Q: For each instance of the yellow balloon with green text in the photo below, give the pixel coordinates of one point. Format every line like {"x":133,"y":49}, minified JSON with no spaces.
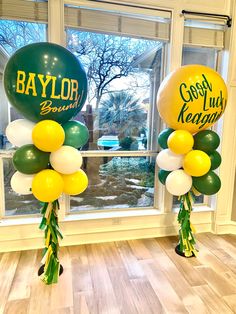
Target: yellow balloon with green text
{"x":75,"y":183}
{"x":196,"y":163}
{"x":47,"y":185}
{"x":180,"y":142}
{"x":48,"y":135}
{"x":192,"y":98}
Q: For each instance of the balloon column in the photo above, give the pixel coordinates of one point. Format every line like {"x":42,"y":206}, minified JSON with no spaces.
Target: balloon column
{"x":190,"y":100}
{"x":47,"y":85}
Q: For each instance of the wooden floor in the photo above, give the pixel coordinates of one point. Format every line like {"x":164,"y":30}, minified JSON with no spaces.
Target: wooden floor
{"x":138,"y":276}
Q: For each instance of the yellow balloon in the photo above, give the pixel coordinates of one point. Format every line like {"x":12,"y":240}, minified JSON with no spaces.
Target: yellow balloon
{"x":48,"y":135}
{"x":47,"y":185}
{"x":192,"y":98}
{"x":196,"y":163}
{"x":75,"y":183}
{"x":180,"y":142}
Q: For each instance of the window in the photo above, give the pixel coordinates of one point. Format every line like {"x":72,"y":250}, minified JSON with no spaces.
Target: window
{"x":123,"y":55}
{"x":21,"y":23}
{"x":117,"y":183}
{"x":203,"y":42}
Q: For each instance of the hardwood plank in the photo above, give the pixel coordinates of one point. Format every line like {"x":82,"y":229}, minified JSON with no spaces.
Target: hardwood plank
{"x":138,"y":290}
{"x":220,"y":242}
{"x":8,"y":265}
{"x":188,"y":271}
{"x":153,"y":247}
{"x":145,"y":299}
{"x":139,"y":250}
{"x":66,"y":310}
{"x":230,"y":300}
{"x":128,"y":277}
{"x":211,"y":300}
{"x":178,"y":282}
{"x":17,"y":307}
{"x":216,"y":281}
{"x":120,"y":279}
{"x":169,"y":243}
{"x":82,"y":305}
{"x":231,"y":238}
{"x":163,"y":289}
{"x":221,"y":252}
{"x":20,"y":288}
{"x":131,"y":263}
{"x":207,"y":258}
{"x":112,"y":256}
{"x":230,"y":277}
{"x":81,"y":277}
{"x":40,"y":294}
{"x":125,"y":297}
{"x":60,"y":299}
{"x":104,"y":297}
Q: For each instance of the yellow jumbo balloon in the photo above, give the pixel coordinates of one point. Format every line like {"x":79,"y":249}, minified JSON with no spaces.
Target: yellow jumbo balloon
{"x":75,"y":183}
{"x":192,"y":98}
{"x":47,"y":185}
{"x":180,"y":142}
{"x":196,"y":163}
{"x":48,"y":135}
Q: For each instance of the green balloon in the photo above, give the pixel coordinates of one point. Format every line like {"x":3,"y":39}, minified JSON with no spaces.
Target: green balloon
{"x":163,"y":137}
{"x":28,"y":159}
{"x":162,"y":175}
{"x":76,"y":134}
{"x":208,"y":184}
{"x":215,"y":159}
{"x":206,"y":140}
{"x":45,"y":81}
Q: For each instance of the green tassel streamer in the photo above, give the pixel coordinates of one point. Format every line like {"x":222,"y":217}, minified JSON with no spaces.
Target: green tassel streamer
{"x":186,"y":238}
{"x":50,"y":226}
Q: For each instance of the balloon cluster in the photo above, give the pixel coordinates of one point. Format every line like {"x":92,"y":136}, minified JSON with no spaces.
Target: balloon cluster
{"x":190,"y":100}
{"x":48,"y":161}
{"x":188,"y":161}
{"x":47,"y":84}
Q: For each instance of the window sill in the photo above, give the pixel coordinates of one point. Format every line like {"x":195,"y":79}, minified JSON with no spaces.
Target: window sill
{"x":97,"y":216}
{"x":196,"y":209}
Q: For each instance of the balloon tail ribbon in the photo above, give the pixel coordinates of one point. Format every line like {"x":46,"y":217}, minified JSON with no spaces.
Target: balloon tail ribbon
{"x":50,"y":226}
{"x":187,"y":241}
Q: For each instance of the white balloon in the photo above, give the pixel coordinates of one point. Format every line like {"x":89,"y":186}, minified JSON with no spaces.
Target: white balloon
{"x":66,"y":159}
{"x":178,"y":182}
{"x":169,"y":161}
{"x":19,"y":132}
{"x":22,"y":183}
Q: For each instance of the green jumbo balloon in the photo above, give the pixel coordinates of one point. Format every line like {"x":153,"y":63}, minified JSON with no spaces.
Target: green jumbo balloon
{"x":76,"y":134}
{"x":163,"y":137}
{"x":162,"y":175}
{"x":28,"y":159}
{"x":208,"y":184}
{"x":215,"y":159}
{"x":45,"y":81}
{"x":206,"y":140}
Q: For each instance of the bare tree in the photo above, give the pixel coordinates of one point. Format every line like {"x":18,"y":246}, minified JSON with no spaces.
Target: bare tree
{"x":105,"y":57}
{"x":16,"y":34}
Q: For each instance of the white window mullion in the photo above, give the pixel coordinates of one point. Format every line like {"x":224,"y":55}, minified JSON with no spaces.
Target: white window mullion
{"x":56,"y":33}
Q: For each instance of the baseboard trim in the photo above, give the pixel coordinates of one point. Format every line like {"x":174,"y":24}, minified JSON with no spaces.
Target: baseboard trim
{"x":97,"y":237}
